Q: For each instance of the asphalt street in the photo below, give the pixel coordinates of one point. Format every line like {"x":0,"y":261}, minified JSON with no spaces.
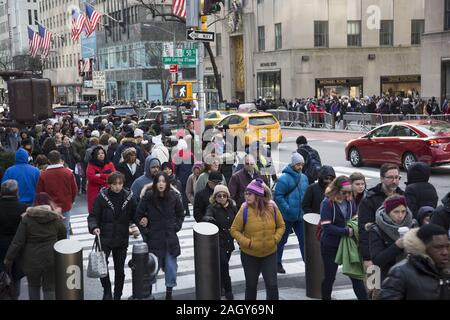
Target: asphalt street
{"x":292,"y":284}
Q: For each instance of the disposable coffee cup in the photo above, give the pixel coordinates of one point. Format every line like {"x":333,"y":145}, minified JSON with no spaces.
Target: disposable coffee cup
{"x":402,"y":231}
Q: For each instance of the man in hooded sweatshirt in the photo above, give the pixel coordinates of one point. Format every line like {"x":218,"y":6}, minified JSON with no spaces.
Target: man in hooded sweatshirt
{"x":419,"y":192}
{"x":151,"y":168}
{"x":315,"y":192}
{"x":26,"y":176}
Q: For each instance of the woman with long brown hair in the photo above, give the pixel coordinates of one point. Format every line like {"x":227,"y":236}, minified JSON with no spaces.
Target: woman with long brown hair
{"x":258,"y":227}
{"x":336,"y":209}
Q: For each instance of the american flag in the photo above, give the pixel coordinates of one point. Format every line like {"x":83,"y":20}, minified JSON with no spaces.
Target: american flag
{"x":34,"y":41}
{"x":79,"y":22}
{"x":46,"y":39}
{"x":179,"y":8}
{"x":93,"y":18}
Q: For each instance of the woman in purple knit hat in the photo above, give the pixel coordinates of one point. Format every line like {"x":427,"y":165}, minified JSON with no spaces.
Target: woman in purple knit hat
{"x":258,"y":227}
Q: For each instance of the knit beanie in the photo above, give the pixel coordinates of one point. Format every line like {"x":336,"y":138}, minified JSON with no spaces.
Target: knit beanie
{"x":297,"y":158}
{"x":138,"y":133}
{"x":198,"y":164}
{"x":95,"y":133}
{"x":221,"y":188}
{"x":392,"y":203}
{"x":256,"y":186}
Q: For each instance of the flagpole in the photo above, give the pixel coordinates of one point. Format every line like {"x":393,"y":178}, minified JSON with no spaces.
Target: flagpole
{"x":105,"y":14}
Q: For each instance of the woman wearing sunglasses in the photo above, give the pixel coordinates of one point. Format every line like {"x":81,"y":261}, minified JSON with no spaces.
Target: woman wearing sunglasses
{"x":336,"y":210}
{"x":221,"y":212}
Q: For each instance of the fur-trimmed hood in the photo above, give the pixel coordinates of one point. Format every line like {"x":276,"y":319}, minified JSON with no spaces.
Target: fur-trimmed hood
{"x":42,"y":214}
{"x":415,"y":246}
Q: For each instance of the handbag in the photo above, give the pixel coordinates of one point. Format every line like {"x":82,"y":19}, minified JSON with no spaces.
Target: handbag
{"x":7,"y":290}
{"x":97,"y":267}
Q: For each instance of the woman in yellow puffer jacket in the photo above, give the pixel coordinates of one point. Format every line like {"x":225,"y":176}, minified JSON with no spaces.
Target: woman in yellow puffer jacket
{"x":258,"y":227}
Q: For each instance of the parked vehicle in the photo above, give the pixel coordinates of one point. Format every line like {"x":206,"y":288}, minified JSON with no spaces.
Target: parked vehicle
{"x":83,"y":108}
{"x":63,"y":110}
{"x":165,"y":118}
{"x":115,"y":114}
{"x":402,"y":143}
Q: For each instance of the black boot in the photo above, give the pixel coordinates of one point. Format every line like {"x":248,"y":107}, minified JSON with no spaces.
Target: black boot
{"x":107,"y":295}
{"x":280,"y":268}
{"x":168,"y":293}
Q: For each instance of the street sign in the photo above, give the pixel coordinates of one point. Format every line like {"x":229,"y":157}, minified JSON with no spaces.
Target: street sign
{"x":180,"y":60}
{"x":182,"y":91}
{"x":173,"y":68}
{"x":98,"y":80}
{"x":204,"y":36}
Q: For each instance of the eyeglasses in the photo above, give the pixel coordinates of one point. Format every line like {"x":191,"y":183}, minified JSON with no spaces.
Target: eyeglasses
{"x":393,"y":178}
{"x":49,"y":128}
{"x":249,"y":164}
{"x":222,"y":196}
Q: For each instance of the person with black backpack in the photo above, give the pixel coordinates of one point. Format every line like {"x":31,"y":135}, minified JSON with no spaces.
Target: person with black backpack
{"x":312,"y":159}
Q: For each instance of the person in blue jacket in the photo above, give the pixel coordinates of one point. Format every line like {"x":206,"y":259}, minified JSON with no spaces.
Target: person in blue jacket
{"x":336,"y":209}
{"x":289,"y":192}
{"x":26,"y":176}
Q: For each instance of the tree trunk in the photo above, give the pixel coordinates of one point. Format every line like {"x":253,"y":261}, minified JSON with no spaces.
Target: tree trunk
{"x":216,"y":71}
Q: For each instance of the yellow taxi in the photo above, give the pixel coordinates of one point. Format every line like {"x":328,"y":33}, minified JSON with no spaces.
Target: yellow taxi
{"x":213,"y":117}
{"x":249,"y":127}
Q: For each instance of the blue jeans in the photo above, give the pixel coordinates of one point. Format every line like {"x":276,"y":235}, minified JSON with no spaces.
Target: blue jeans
{"x":330,"y":269}
{"x":253,"y":267}
{"x":297,"y":226}
{"x":67,"y":222}
{"x":170,"y":267}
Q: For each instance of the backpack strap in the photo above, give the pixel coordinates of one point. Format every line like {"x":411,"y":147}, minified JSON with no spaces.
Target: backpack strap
{"x":245,"y":213}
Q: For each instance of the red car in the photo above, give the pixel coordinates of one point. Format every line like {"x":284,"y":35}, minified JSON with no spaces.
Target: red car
{"x":402,"y":143}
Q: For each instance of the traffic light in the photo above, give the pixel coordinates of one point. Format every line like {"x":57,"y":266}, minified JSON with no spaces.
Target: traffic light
{"x":212,"y":6}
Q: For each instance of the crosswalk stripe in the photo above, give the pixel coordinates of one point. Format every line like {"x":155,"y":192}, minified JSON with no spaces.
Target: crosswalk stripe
{"x":292,"y":260}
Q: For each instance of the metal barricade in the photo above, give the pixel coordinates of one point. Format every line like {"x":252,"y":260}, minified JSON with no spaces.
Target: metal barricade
{"x":315,"y":119}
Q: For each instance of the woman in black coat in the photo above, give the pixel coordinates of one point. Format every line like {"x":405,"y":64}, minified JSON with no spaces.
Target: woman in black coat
{"x":221,"y":212}
{"x":67,"y":153}
{"x":114,"y":209}
{"x":10,"y":215}
{"x":130,"y":167}
{"x":161,"y":213}
{"x":386,"y":246}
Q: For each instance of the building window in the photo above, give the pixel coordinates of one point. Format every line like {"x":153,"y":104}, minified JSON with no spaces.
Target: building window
{"x":218,"y":44}
{"x":387,"y":33}
{"x":261,"y":39}
{"x":417,"y":29}
{"x":260,"y":1}
{"x":354,"y":33}
{"x":278,"y":37}
{"x":447,"y":15}
{"x":269,"y":85}
{"x":321,"y":34}
{"x":30,"y":18}
{"x":36,"y":17}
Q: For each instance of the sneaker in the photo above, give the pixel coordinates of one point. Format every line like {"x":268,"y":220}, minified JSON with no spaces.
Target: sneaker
{"x":281,"y":269}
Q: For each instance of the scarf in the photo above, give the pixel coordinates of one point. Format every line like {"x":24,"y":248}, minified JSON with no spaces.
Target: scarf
{"x":385,"y":223}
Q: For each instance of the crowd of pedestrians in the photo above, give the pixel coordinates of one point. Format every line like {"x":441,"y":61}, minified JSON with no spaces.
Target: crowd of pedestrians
{"x":131,"y":178}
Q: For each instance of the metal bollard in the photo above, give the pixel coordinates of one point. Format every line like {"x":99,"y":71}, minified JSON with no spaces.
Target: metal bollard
{"x":68,"y":270}
{"x":313,"y":262}
{"x":144,"y":267}
{"x":207,"y":261}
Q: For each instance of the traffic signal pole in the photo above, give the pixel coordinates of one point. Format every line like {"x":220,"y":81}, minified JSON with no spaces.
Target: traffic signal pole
{"x":200,"y":74}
